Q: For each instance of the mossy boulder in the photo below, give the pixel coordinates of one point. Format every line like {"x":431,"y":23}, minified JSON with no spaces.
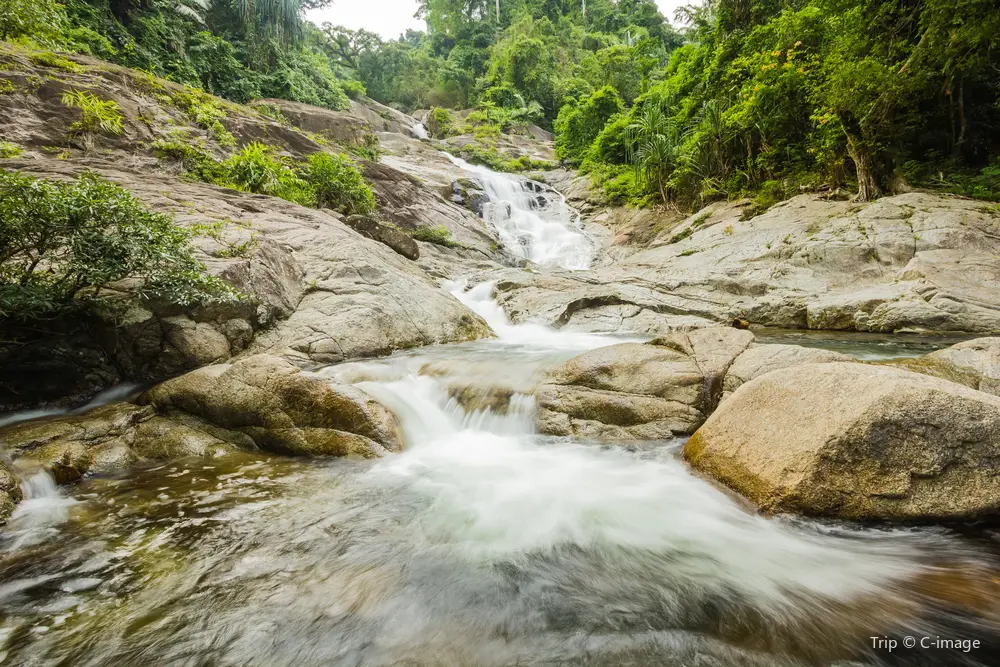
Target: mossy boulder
{"x":974,"y":363}
{"x":856,"y":441}
{"x":269,"y":403}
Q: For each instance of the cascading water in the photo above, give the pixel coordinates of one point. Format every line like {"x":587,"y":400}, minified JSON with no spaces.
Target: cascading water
{"x":532,"y":220}
{"x":481,"y":544}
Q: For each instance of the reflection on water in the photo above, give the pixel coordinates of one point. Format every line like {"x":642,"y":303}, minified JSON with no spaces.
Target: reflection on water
{"x":862,"y":345}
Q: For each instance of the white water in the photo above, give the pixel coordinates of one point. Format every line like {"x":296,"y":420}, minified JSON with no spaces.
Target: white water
{"x":479,"y":299}
{"x":532,"y":221}
{"x":111,"y":395}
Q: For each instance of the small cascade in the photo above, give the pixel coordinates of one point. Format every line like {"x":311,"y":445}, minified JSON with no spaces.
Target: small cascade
{"x":532,"y":220}
{"x":111,"y":395}
{"x":39,"y":513}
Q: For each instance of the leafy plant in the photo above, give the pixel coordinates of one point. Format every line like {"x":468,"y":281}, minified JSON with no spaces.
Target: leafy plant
{"x":65,"y":246}
{"x":6,"y":87}
{"x":368,"y":147}
{"x":272,"y":111}
{"x":96,"y":115}
{"x":49,"y":59}
{"x":207,"y":113}
{"x":9,"y":150}
{"x":437,"y":234}
{"x":336,"y":183}
{"x":255,"y":168}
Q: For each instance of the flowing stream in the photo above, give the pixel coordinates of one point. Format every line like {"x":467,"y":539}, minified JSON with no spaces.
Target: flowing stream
{"x":481,"y":544}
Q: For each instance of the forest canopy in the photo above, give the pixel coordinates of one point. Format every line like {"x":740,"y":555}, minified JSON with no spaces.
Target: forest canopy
{"x":759,"y":98}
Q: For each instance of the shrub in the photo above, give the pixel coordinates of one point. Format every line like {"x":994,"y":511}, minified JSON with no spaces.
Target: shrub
{"x":196,"y":161}
{"x":438,"y":234}
{"x":336,"y":183}
{"x":272,"y":111}
{"x":49,"y":59}
{"x":255,"y":168}
{"x":9,"y":150}
{"x":96,"y":115}
{"x":440,"y":124}
{"x":610,"y":145}
{"x":64,"y":244}
{"x":6,"y":87}
{"x":207,"y":113}
{"x":354,"y":89}
{"x":577,"y":125}
{"x":368,"y":147}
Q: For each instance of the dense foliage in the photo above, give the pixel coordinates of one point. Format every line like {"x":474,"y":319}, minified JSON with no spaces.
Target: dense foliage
{"x":70,"y":245}
{"x":323,"y":180}
{"x":770,"y":97}
{"x":765,"y":98}
{"x":235,"y":49}
{"x":530,"y":57}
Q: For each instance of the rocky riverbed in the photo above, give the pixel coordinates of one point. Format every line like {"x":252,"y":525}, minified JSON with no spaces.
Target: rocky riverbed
{"x":544,"y":438}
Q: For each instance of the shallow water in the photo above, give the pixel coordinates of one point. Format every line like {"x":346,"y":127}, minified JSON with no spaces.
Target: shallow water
{"x":481,"y":544}
{"x":862,"y":345}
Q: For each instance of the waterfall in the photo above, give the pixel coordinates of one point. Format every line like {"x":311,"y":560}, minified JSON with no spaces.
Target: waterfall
{"x":532,"y":220}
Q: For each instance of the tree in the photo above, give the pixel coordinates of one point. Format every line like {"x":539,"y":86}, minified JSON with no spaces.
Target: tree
{"x":347,"y":46}
{"x":68,"y":245}
{"x":654,"y":143}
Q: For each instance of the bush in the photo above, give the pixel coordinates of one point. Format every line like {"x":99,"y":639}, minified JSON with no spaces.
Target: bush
{"x":207,"y":113}
{"x":64,"y":244}
{"x":440,"y":124}
{"x":578,"y":125}
{"x":610,"y":145}
{"x":48,"y":59}
{"x":9,"y":150}
{"x":255,"y":168}
{"x":96,"y":115}
{"x":196,"y":161}
{"x":438,"y":234}
{"x":354,"y":89}
{"x":336,"y":183}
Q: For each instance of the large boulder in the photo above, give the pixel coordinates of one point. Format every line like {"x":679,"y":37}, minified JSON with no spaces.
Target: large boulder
{"x":385,"y":234}
{"x":636,"y":391}
{"x":974,"y":363}
{"x":269,"y":403}
{"x":856,"y":441}
{"x":761,"y":359}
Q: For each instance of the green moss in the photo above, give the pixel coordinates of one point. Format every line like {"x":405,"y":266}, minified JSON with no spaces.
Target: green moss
{"x":6,"y":87}
{"x":9,"y":150}
{"x":49,"y":59}
{"x":438,"y":234}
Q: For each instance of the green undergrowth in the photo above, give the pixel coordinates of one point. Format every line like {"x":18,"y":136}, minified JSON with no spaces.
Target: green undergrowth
{"x":323,"y":180}
{"x":437,"y":234}
{"x":74,"y":245}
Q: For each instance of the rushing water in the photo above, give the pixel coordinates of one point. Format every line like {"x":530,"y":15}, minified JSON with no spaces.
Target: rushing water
{"x":532,"y":220}
{"x":480,"y":544}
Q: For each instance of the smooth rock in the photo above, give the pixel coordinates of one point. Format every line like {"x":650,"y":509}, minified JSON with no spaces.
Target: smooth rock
{"x":974,"y":363}
{"x":636,"y":391}
{"x":279,"y":408}
{"x":856,"y":441}
{"x":390,"y":236}
{"x":761,"y":359}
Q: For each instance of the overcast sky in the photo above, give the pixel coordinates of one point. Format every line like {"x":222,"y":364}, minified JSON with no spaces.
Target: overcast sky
{"x":391,"y":18}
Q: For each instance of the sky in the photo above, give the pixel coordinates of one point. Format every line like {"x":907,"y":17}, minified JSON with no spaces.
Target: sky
{"x":391,"y":18}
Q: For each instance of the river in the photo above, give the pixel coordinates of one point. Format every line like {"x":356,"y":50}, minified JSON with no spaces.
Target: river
{"x":481,"y":544}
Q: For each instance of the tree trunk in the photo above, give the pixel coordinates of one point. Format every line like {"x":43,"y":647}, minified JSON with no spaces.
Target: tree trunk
{"x":868,"y":188}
